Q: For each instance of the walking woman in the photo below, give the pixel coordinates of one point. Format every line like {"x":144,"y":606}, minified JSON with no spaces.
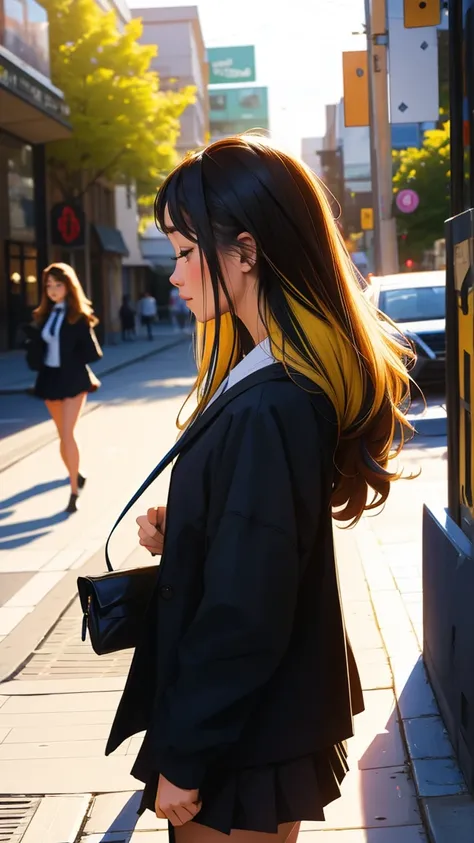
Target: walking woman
{"x":244,"y":681}
{"x":66,"y":321}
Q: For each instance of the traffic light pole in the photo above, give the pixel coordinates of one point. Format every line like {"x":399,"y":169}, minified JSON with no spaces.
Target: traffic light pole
{"x":385,"y":234}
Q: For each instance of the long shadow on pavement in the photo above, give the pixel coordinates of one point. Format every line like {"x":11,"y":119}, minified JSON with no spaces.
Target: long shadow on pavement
{"x":24,"y":532}
{"x":32,"y":492}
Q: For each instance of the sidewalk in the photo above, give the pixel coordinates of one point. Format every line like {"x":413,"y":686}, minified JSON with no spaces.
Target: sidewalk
{"x":42,"y":549}
{"x":404,"y":786}
{"x":16,"y":377}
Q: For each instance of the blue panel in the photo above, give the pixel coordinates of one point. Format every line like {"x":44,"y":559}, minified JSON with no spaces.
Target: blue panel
{"x":405,"y":135}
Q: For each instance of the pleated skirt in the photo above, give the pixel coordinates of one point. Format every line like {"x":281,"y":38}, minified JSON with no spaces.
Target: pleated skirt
{"x":57,"y":384}
{"x":262,"y":798}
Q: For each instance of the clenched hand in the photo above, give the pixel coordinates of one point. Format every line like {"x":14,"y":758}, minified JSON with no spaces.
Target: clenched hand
{"x":175,"y":804}
{"x":152,"y":529}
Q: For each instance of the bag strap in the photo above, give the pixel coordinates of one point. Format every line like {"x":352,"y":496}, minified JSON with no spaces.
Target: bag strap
{"x":164,"y":463}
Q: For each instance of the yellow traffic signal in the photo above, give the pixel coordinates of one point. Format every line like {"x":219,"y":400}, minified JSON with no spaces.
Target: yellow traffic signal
{"x":367,"y":219}
{"x":356,"y":88}
{"x":421,"y":13}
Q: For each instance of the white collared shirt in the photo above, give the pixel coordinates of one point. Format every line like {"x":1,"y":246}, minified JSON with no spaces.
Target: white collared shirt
{"x":53,"y":355}
{"x":257,"y":359}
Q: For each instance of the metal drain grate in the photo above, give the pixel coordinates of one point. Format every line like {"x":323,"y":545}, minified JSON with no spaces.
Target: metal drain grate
{"x":16,"y":813}
{"x":62,"y":654}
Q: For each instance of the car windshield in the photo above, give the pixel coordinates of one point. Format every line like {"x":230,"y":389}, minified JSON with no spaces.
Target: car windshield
{"x":413,"y":304}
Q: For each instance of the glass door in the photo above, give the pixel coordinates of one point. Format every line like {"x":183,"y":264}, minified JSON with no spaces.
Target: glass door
{"x":23,"y":288}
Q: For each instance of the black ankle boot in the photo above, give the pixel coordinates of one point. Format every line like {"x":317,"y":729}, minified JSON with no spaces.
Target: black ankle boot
{"x":73,"y":504}
{"x":81,"y":480}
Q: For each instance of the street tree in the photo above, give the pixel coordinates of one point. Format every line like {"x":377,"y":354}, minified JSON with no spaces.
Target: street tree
{"x":124,"y":127}
{"x":426,"y":171}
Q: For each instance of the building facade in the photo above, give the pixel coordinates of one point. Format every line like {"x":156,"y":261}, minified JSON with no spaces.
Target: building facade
{"x":181,"y":61}
{"x":32,"y":112}
{"x":135,"y":268}
{"x":310,"y":149}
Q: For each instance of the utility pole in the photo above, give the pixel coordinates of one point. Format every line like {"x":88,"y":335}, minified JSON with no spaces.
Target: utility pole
{"x":385,"y":233}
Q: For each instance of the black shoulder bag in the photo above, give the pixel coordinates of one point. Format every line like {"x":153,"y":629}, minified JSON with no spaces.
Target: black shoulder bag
{"x":114,"y":604}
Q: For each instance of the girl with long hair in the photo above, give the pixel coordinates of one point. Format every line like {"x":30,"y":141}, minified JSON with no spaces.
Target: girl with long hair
{"x":68,"y":344}
{"x":244,"y":681}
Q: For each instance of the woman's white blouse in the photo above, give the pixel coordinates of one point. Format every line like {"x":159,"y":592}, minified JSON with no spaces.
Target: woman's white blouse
{"x":53,"y":355}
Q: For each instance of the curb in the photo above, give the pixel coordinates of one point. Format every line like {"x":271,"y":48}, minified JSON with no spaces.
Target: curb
{"x":446,"y":807}
{"x":116,"y":368}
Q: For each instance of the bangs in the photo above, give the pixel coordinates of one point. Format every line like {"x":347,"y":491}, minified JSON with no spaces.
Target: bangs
{"x":182,"y":195}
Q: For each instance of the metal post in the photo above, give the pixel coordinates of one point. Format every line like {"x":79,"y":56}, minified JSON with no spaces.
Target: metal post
{"x":456,"y":95}
{"x":386,"y":246}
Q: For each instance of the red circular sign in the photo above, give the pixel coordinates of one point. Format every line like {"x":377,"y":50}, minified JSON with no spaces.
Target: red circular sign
{"x":67,"y":225}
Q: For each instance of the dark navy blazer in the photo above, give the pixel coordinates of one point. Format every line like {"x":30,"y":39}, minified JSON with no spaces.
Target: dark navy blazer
{"x":244,"y":659}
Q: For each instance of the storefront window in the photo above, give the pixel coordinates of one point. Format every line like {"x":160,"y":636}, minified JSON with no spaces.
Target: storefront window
{"x":26,"y":33}
{"x":21,"y":194}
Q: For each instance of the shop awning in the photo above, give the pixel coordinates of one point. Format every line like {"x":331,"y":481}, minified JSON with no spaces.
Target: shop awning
{"x":31,"y":109}
{"x":111,"y":240}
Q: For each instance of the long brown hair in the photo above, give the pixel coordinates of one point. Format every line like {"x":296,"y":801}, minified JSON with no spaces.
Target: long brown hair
{"x":318,"y":321}
{"x":78,"y":305}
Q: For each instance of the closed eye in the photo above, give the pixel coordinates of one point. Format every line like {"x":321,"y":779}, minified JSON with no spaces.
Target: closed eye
{"x":183,"y":254}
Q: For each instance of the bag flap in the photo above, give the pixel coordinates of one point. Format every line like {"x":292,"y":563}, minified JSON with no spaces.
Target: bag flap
{"x":110,"y":590}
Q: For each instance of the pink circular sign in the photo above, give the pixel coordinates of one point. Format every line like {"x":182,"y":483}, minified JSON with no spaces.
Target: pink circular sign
{"x":407,"y":201}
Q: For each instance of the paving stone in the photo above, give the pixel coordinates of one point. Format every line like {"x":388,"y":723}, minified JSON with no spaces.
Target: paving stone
{"x":410,"y":585}
{"x":62,"y":702}
{"x":11,"y":583}
{"x":56,"y":749}
{"x":413,"y":690}
{"x":37,"y":687}
{"x":450,"y":818}
{"x":4,"y":733}
{"x":66,"y":559}
{"x":135,"y":745}
{"x":33,"y":592}
{"x":377,"y":741}
{"x":61,"y":718}
{"x":10,"y":617}
{"x":57,"y":820}
{"x":374,"y":669}
{"x":427,"y":738}
{"x":48,"y":734}
{"x":406,"y":834}
{"x":86,"y":775}
{"x":24,"y":560}
{"x":438,"y":777}
{"x":364,"y":634}
{"x":372,"y":799}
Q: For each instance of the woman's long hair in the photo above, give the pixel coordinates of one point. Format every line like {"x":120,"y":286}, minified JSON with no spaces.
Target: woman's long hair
{"x":78,"y":305}
{"x":318,"y":321}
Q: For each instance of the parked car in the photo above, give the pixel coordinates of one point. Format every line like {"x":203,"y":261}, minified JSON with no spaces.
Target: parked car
{"x":416,"y":301}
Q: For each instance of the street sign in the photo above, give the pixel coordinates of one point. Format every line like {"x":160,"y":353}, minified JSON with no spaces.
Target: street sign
{"x":367,"y":219}
{"x":67,"y":226}
{"x":231,"y":65}
{"x":356,"y":88}
{"x":427,"y":13}
{"x":407,"y":201}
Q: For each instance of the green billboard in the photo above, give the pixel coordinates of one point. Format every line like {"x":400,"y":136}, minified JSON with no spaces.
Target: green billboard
{"x":231,"y":65}
{"x":234,"y":110}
